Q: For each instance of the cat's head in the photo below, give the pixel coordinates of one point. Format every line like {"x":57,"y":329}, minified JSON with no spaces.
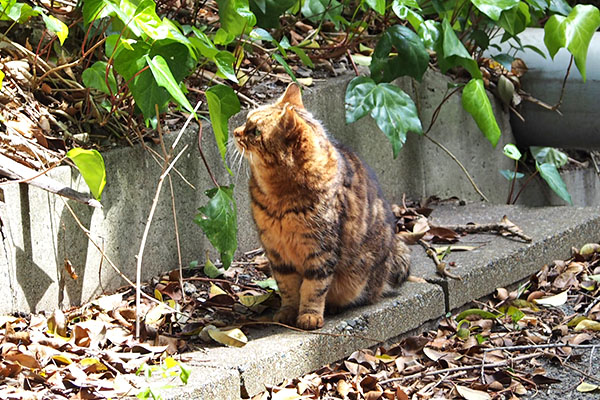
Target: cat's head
{"x":278,"y":133}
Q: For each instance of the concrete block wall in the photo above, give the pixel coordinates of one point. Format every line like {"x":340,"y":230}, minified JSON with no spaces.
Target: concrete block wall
{"x":39,"y":232}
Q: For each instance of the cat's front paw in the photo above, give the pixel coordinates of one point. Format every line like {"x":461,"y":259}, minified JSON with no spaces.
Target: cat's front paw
{"x":310,"y":321}
{"x":286,"y":315}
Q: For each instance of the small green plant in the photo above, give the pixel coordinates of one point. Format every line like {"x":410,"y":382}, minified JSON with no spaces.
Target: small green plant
{"x":169,"y":368}
{"x":547,"y":162}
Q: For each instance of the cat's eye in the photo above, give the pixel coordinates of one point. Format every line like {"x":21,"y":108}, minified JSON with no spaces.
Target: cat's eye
{"x":253,"y":132}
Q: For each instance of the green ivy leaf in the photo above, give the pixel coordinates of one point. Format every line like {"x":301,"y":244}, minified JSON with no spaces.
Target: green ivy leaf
{"x":222,"y":104}
{"x":358,"y":98}
{"x":493,"y":8}
{"x":57,"y":26}
{"x":430,"y":32}
{"x":392,"y":109}
{"x":95,"y":77}
{"x":549,"y":155}
{"x":515,"y":20}
{"x":317,"y":10}
{"x":218,"y":220}
{"x":211,"y":269}
{"x":404,"y":10}
{"x":268,"y":11}
{"x":224,"y":61}
{"x":377,"y":5}
{"x":550,"y":174}
{"x":285,"y":65}
{"x":554,"y":34}
{"x":303,"y":57}
{"x":91,"y":166}
{"x":476,"y":102}
{"x":510,"y":175}
{"x":412,"y":58}
{"x":573,"y":32}
{"x":511,"y":151}
{"x":451,"y":52}
{"x":164,"y":78}
{"x":19,"y":12}
{"x":560,"y":7}
{"x":235,"y":16}
{"x":538,"y":5}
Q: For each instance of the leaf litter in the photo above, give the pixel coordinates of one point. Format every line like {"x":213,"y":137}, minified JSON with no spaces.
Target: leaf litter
{"x":505,"y":347}
{"x":90,"y":351}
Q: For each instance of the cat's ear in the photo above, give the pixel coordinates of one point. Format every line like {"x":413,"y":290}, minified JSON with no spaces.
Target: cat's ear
{"x":292,"y":95}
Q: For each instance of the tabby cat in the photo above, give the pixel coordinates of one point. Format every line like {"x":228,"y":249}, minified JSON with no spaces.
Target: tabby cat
{"x":321,"y":217}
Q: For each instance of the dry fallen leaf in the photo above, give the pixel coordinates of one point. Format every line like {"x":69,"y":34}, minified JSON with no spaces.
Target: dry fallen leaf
{"x":556,"y":300}
{"x":232,"y":337}
{"x":472,"y":394}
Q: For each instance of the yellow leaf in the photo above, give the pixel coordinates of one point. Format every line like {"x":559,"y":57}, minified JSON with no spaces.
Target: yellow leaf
{"x":158,"y":295}
{"x":556,"y":300}
{"x":588,"y":324}
{"x":232,"y":337}
{"x":250,"y":301}
{"x":472,"y":394}
{"x":62,"y":358}
{"x":286,"y":394}
{"x":585,"y":387}
{"x":215,"y":290}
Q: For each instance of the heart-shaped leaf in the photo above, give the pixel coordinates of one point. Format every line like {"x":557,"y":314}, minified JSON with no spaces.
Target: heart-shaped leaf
{"x":412,"y":58}
{"x":476,"y":102}
{"x":218,"y":220}
{"x":222,"y":104}
{"x":550,"y":174}
{"x":91,"y":165}
{"x":493,"y":8}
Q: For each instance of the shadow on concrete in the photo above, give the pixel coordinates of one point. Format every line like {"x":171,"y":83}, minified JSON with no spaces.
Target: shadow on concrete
{"x":72,"y":245}
{"x":33,"y":280}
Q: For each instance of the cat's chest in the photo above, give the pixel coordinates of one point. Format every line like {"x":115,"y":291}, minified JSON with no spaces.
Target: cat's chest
{"x":288,"y":234}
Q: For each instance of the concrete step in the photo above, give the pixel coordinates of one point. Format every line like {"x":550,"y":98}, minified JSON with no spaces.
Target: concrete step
{"x":274,"y":354}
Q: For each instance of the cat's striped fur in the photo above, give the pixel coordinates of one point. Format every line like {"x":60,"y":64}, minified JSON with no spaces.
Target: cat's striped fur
{"x":320,"y":214}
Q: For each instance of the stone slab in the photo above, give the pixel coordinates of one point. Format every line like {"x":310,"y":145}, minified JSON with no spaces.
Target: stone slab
{"x":275,"y":354}
{"x":500,"y":261}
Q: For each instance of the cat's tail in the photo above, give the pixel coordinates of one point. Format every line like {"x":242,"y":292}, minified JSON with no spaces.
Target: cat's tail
{"x":399,"y":262}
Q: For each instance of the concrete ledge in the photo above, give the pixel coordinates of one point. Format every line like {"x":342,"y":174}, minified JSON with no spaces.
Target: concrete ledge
{"x":503,"y":261}
{"x":273,"y":355}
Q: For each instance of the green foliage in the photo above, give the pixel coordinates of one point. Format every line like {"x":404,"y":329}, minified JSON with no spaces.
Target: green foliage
{"x":222,"y":104}
{"x":22,"y":12}
{"x":168,"y":368}
{"x":511,"y":151}
{"x":218,"y":220}
{"x":392,"y":109}
{"x":412,"y":59}
{"x":91,"y":166}
{"x":573,"y":32}
{"x":476,"y":102}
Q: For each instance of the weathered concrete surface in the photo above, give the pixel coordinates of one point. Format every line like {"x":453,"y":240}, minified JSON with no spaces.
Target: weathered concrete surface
{"x":274,"y":354}
{"x":499,"y":261}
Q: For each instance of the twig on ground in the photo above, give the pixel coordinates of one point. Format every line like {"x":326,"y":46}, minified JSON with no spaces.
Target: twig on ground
{"x":440,"y":266}
{"x":465,"y":368}
{"x":591,"y":377}
{"x":591,"y":305}
{"x":500,"y":227}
